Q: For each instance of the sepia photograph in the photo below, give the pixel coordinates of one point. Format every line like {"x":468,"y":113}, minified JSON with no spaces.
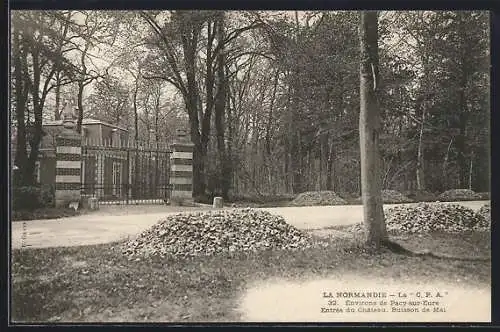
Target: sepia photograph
{"x":250,"y":166}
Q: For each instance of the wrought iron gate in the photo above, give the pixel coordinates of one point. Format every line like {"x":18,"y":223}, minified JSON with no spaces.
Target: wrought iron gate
{"x":126,"y":175}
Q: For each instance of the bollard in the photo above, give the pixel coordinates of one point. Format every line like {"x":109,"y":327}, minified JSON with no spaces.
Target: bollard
{"x":218,"y":203}
{"x":93,"y":203}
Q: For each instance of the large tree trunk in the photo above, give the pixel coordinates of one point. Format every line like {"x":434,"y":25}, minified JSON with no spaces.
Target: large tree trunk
{"x":230,"y":137}
{"x":79,"y":122}
{"x":21,"y":96}
{"x":37,"y":112}
{"x":296,"y":142}
{"x":464,"y":74}
{"x":57,"y":113}
{"x":81,"y":87}
{"x":206,"y":117}
{"x":199,"y":139}
{"x":369,"y":127}
{"x":220,"y":105}
{"x":198,"y":153}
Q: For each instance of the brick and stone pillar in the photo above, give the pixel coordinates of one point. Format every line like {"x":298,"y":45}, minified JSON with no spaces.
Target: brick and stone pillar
{"x":68,"y":164}
{"x":181,"y":166}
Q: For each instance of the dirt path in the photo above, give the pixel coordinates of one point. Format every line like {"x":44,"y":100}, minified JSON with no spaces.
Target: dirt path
{"x":113,"y":223}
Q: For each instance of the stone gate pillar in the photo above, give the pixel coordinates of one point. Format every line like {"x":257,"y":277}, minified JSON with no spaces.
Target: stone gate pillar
{"x":68,"y":162}
{"x":181,"y":169}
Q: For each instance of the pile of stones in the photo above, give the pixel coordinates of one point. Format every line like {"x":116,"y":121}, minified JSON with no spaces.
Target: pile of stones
{"x":394,"y":196}
{"x":428,"y":217}
{"x":311,"y":198}
{"x":459,"y":195}
{"x":485,"y":195}
{"x":485,"y":213}
{"x":216,"y":232}
{"x":421,"y":196}
{"x":390,"y":196}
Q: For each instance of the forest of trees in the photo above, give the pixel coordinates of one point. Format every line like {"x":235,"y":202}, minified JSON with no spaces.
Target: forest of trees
{"x":271,"y":99}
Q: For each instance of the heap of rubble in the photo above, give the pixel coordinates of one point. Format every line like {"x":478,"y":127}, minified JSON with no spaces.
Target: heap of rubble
{"x":216,"y":232}
{"x":428,"y":217}
{"x":459,"y":195}
{"x":311,"y":198}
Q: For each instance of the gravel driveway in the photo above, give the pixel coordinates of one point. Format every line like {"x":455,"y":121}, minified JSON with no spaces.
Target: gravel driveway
{"x":118,"y":222}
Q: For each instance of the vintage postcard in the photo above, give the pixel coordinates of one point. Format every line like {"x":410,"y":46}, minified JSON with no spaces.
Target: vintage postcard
{"x":195,"y":166}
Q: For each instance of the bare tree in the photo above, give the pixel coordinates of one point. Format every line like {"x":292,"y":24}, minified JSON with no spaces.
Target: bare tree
{"x":38,"y":57}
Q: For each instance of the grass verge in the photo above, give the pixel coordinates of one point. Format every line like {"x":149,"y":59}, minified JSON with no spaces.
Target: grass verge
{"x":98,"y":284}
